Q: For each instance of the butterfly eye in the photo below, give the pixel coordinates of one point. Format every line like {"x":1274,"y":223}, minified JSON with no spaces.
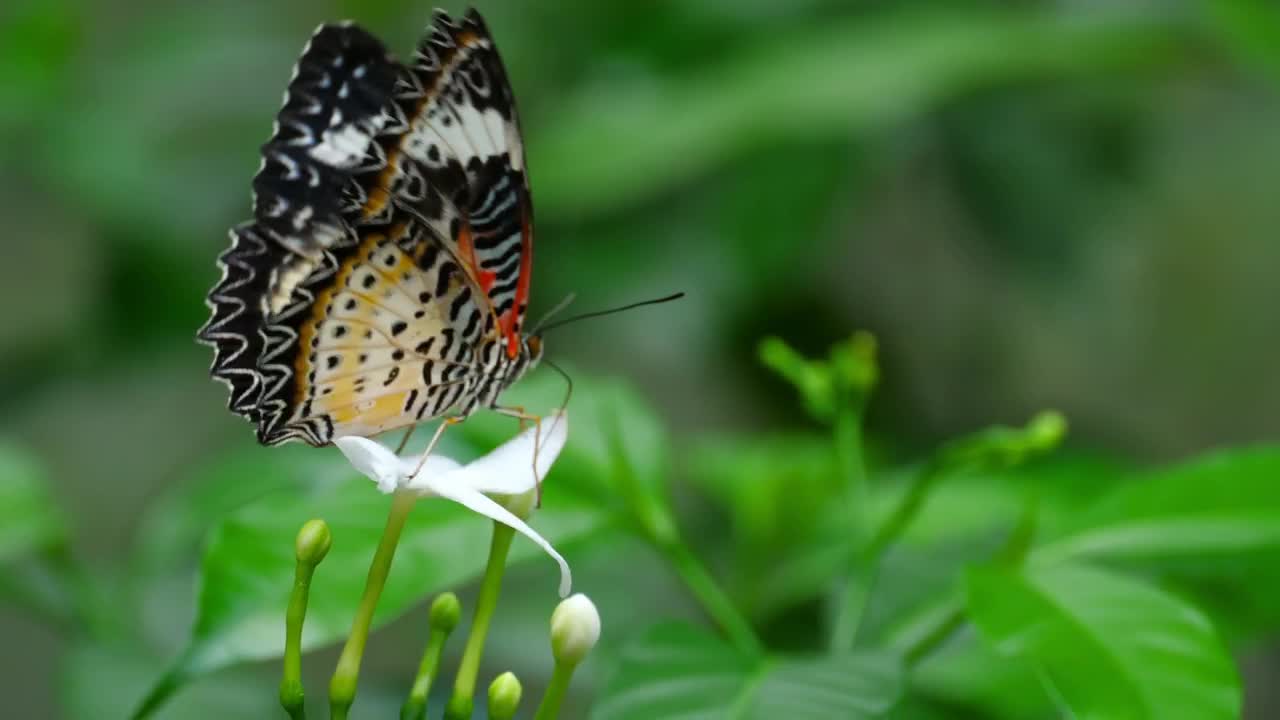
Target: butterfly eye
{"x":534,"y":343}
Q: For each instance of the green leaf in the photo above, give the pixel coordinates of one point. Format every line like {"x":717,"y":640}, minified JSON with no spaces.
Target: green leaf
{"x":1106,"y":645}
{"x":770,"y":484}
{"x":1250,"y":29}
{"x":683,"y":671}
{"x":614,"y":147}
{"x":35,"y":572}
{"x":966,"y":672}
{"x":248,"y":566}
{"x":104,"y":681}
{"x":38,"y":41}
{"x":1215,"y":516}
{"x":30,"y":522}
{"x":177,"y":522}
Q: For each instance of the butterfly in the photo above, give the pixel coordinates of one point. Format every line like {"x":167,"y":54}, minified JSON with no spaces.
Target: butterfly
{"x":384,"y":277}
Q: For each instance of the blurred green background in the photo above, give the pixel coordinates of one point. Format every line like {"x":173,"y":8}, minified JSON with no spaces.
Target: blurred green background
{"x":1057,"y":203}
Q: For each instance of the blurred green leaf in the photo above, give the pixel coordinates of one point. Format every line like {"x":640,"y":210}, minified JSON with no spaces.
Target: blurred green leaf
{"x":35,"y":572}
{"x":37,"y":41}
{"x":684,"y":671}
{"x":248,"y":566}
{"x":616,"y":146}
{"x":30,"y":522}
{"x":1251,"y":29}
{"x":1108,"y":646}
{"x":963,"y":520}
{"x":1214,"y":516}
{"x":769,"y":484}
{"x":968,"y":673}
{"x":100,"y":680}
{"x":175,"y":523}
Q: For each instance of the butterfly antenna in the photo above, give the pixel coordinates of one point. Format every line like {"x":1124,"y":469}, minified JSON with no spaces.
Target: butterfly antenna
{"x":560,"y":306}
{"x":610,"y":311}
{"x":568,"y":393}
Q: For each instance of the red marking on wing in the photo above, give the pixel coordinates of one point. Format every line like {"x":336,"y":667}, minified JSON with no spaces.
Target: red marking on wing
{"x":467,"y":250}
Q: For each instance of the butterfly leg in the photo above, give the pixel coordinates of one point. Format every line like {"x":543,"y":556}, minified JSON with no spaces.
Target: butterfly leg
{"x":405,"y":440}
{"x":520,"y":414}
{"x":517,"y":412}
{"x":435,"y":439}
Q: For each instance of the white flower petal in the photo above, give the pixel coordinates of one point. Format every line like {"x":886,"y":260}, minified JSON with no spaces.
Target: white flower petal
{"x":383,"y":467}
{"x":509,"y":468}
{"x":372,"y":460}
{"x":476,"y":501}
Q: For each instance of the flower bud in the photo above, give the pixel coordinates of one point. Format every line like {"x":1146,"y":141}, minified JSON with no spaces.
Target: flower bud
{"x":504,"y":697}
{"x":575,"y":628}
{"x":313,"y":542}
{"x":446,"y":611}
{"x":853,"y":363}
{"x":1046,"y":430}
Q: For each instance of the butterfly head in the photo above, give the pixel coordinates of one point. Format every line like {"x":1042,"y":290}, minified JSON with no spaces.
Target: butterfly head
{"x":532,"y":350}
{"x":526,"y":359}
{"x":528,"y":353}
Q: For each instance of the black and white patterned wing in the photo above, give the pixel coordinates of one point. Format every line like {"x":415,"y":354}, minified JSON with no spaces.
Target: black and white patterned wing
{"x":333,"y":108}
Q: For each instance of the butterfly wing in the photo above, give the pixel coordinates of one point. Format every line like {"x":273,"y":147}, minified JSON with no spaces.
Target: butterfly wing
{"x":371,"y":316}
{"x":456,"y":162}
{"x":383,"y":335}
{"x":332,"y":111}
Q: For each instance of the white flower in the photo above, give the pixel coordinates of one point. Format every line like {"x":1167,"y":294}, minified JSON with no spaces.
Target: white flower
{"x":508,"y":470}
{"x":575,"y":628}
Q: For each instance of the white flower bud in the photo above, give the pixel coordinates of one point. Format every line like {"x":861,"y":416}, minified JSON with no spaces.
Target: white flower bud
{"x":575,"y":628}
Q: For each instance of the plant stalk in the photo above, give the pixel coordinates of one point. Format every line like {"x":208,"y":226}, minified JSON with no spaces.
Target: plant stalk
{"x":557,"y":688}
{"x":464,"y":685}
{"x":291,"y":696}
{"x":342,"y":687}
{"x":415,"y":706}
{"x":847,"y":434}
{"x":713,"y":599}
{"x":861,"y":580}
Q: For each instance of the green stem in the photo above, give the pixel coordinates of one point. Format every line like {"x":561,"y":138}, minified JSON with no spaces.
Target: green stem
{"x":291,"y":697}
{"x":861,"y":581}
{"x":919,"y":641}
{"x":45,"y":593}
{"x":464,"y":686}
{"x":933,"y":638}
{"x":653,"y":514}
{"x":847,"y":434}
{"x":557,"y":688}
{"x":907,"y":510}
{"x":713,"y":599}
{"x":342,"y":687}
{"x":415,"y":707}
{"x":853,"y":599}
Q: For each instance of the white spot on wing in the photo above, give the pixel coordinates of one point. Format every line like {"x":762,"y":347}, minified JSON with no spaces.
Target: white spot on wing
{"x":342,"y":146}
{"x":496,"y":127}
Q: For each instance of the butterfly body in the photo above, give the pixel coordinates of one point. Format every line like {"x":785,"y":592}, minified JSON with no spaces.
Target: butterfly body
{"x":384,"y":278}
